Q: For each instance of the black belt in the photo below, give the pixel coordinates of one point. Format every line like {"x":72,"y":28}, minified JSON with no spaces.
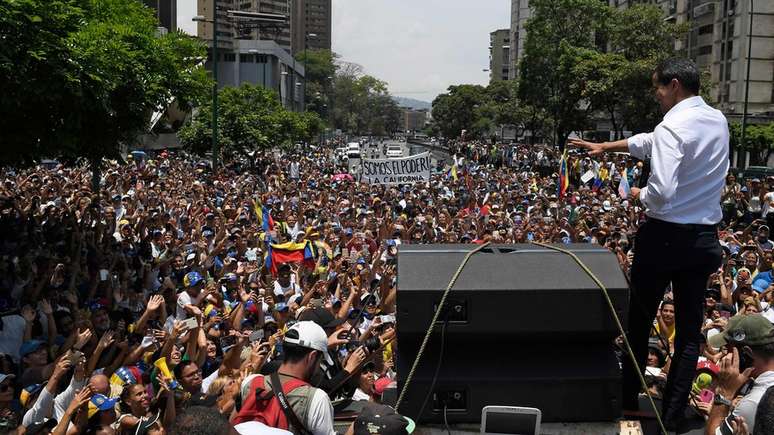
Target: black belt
{"x":687,"y":227}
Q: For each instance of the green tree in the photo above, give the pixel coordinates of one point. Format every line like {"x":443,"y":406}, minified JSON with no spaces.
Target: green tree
{"x":250,"y":118}
{"x":457,"y":110}
{"x":557,"y":33}
{"x":320,"y":68}
{"x":110,"y":70}
{"x":362,"y":103}
{"x":758,"y":141}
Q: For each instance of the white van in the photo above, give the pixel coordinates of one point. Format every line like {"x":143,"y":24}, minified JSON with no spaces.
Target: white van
{"x":394,"y":151}
{"x":353,"y":150}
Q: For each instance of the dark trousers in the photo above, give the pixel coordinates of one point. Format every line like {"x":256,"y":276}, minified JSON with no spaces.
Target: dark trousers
{"x":684,"y":255}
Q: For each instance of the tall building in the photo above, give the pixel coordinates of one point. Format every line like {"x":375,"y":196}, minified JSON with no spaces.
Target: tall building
{"x":311,"y":25}
{"x":520,"y":13}
{"x":499,"y":55}
{"x":250,"y":53}
{"x":166,"y":12}
{"x":717,"y":40}
{"x":230,"y":28}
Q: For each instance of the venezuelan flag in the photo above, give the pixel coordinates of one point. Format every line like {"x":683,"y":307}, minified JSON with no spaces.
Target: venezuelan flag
{"x":263,"y":214}
{"x":290,"y":252}
{"x":564,"y":177}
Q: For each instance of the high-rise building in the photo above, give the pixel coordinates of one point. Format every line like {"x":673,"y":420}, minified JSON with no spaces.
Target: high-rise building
{"x":230,"y":28}
{"x":414,"y":120}
{"x":311,"y":25}
{"x":166,"y":12}
{"x":254,"y":50}
{"x":499,"y":55}
{"x":520,"y":13}
{"x":717,"y":40}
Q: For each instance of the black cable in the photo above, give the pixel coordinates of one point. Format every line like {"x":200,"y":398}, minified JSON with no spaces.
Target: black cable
{"x":437,"y":368}
{"x":445,"y":421}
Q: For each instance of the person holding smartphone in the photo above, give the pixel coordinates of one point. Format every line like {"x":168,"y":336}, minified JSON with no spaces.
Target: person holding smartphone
{"x":749,"y":342}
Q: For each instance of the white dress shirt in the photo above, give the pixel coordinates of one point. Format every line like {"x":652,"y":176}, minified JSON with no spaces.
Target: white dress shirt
{"x":688,"y":154}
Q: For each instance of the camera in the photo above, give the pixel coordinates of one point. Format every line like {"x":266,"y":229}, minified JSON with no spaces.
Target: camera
{"x":371,"y":344}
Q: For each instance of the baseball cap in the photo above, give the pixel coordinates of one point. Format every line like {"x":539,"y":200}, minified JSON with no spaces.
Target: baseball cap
{"x":369,"y":298}
{"x":310,"y":335}
{"x":30,"y":346}
{"x":708,"y":366}
{"x":192,"y":278}
{"x":322,"y":317}
{"x":383,"y":420}
{"x":100,"y":402}
{"x":4,"y":376}
{"x":751,"y":330}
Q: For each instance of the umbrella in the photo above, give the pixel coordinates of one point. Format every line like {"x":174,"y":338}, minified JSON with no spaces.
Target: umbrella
{"x":342,"y":177}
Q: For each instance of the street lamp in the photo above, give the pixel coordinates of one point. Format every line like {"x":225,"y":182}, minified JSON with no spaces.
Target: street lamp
{"x":747,"y":79}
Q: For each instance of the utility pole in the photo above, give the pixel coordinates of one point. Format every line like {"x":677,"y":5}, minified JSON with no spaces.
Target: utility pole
{"x":747,"y":80}
{"x":215,"y":147}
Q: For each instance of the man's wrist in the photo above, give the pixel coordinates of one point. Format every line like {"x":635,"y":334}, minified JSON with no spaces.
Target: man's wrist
{"x":725,"y":393}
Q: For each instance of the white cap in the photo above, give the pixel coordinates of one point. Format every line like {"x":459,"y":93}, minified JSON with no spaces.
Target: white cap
{"x":309,"y":335}
{"x":606,"y":205}
{"x":258,"y":428}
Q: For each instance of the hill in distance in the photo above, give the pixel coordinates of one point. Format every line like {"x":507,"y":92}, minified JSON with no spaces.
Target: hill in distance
{"x":412,"y":103}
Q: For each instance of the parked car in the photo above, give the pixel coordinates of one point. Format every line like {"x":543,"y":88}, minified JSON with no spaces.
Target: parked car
{"x":353,"y":150}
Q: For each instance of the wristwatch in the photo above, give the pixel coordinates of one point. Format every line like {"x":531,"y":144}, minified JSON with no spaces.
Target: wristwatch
{"x":720,"y":400}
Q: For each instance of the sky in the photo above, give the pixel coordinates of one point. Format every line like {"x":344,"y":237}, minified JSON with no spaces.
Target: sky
{"x":419,"y":47}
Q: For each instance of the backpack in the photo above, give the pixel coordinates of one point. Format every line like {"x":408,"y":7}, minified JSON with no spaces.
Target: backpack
{"x":262,"y":405}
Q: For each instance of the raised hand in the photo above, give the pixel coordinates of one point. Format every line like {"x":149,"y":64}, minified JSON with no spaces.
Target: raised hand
{"x":155,"y":302}
{"x":83,"y":338}
{"x":45,"y":307}
{"x":106,"y":340}
{"x":28,"y":313}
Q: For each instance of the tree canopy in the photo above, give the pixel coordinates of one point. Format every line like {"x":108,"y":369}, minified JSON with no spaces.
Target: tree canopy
{"x":80,"y":78}
{"x":249,"y":118}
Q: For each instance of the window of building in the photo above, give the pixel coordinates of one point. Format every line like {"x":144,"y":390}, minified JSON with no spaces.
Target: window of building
{"x":704,"y":30}
{"x":229,"y":57}
{"x":707,"y":49}
{"x":245,"y":58}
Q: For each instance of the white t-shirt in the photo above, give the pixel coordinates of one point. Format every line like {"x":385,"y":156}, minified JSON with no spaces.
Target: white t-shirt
{"x":280,"y":290}
{"x":748,"y":406}
{"x":184,"y":299}
{"x":257,"y":428}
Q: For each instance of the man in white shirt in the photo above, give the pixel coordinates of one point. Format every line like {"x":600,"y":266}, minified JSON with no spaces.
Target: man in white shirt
{"x":678,"y":243}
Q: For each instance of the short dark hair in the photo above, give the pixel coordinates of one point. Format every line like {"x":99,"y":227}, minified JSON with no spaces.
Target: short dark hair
{"x":201,"y":420}
{"x":684,"y":70}
{"x":294,"y":353}
{"x":178,"y":370}
{"x":764,"y":351}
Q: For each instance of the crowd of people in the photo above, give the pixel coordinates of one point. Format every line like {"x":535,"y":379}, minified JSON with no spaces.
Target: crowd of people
{"x":175,"y":297}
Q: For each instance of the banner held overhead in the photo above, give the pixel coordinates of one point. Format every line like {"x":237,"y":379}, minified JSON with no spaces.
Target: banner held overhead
{"x":406,"y":170}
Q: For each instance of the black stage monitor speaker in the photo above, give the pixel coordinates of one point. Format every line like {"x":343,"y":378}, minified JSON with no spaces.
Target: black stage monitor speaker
{"x":523,"y":326}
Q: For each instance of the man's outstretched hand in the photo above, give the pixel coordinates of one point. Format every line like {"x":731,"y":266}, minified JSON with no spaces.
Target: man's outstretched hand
{"x":593,"y":148}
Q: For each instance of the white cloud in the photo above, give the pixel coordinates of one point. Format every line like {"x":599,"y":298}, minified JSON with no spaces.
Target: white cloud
{"x":420,"y":47}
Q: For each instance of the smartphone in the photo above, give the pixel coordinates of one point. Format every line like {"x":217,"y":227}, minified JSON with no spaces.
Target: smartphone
{"x":190,"y":323}
{"x":256,"y":335}
{"x":706,"y":396}
{"x":227,"y":342}
{"x":725,"y":427}
{"x":387,"y":318}
{"x":75,"y":357}
{"x":103,"y":274}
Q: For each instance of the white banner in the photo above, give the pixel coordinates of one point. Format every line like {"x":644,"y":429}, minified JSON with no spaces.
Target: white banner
{"x":406,"y":170}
